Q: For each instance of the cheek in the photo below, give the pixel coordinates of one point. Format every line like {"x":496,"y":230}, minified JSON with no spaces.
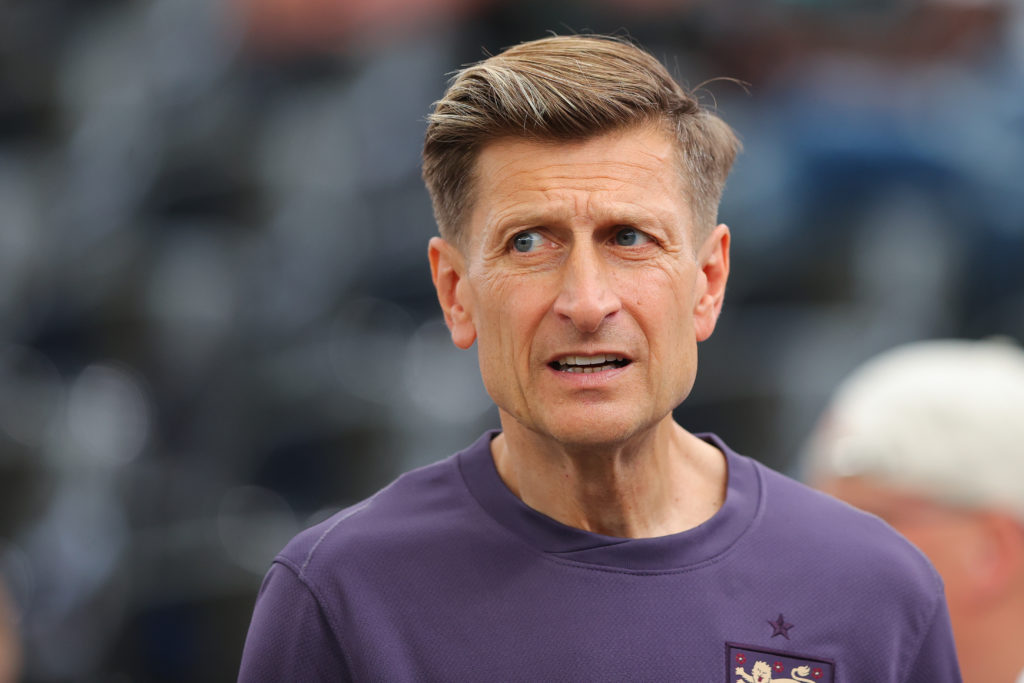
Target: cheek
{"x":492,"y":302}
{"x":510,"y":310}
{"x":662,"y":306}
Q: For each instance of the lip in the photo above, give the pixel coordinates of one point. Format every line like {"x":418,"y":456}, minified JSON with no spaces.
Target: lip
{"x":589,"y":352}
{"x":584,"y":380}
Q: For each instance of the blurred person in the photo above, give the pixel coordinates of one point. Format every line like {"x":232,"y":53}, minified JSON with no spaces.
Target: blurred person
{"x":10,"y":639}
{"x":302,"y":23}
{"x":576,"y":189}
{"x":930,"y":437}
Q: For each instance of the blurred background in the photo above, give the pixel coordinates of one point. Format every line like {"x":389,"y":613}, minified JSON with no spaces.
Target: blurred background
{"x":216,"y":319}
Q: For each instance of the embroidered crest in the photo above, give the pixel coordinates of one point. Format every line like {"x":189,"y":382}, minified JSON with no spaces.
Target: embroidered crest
{"x":746,"y":664}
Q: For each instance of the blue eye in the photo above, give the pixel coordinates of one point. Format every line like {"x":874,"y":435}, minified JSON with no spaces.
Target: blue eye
{"x":628,"y":237}
{"x":526,"y":241}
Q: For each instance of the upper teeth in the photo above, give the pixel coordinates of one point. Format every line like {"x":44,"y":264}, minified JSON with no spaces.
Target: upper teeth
{"x":589,"y":360}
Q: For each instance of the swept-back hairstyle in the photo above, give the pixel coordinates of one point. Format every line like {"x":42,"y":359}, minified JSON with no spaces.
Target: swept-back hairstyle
{"x":564,"y":89}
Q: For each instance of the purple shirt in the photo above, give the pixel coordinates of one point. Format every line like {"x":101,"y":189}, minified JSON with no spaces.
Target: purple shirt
{"x":445,"y":575}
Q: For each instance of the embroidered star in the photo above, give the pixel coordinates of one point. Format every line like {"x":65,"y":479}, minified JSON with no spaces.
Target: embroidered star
{"x":780,"y":627}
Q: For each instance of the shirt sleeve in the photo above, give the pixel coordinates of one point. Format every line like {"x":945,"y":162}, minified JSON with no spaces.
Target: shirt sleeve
{"x":290,"y":638}
{"x":936,"y":659}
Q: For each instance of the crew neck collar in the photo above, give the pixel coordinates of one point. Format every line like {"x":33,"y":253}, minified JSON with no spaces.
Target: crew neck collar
{"x":663,"y":553}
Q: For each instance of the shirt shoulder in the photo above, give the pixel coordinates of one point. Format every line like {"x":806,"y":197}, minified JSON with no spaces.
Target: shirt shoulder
{"x":815,"y":535}
{"x":814,"y":519}
{"x":418,"y":510}
{"x":818,"y":544}
{"x":291,"y":636}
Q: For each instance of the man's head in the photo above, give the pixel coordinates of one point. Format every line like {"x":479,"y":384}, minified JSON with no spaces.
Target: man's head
{"x":568,"y":89}
{"x":560,"y":175}
{"x":930,"y":437}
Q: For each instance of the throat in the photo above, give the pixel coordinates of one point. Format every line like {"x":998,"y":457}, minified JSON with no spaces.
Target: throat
{"x":667,"y":486}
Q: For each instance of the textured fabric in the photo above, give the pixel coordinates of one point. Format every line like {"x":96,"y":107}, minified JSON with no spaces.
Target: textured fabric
{"x":446,"y":576}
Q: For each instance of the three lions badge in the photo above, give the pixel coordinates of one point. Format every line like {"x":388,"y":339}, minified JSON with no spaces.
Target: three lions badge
{"x":747,"y":664}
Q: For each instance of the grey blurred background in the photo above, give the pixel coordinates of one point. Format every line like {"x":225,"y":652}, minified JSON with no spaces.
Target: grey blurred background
{"x":216,"y":318}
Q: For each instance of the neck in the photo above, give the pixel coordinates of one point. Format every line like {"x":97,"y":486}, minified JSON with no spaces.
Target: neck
{"x":659,"y":482}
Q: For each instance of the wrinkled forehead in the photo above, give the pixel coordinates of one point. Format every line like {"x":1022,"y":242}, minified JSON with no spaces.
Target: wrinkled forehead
{"x":637,"y":170}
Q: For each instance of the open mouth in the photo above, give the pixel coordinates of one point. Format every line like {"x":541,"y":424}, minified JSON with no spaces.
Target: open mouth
{"x":589,"y":364}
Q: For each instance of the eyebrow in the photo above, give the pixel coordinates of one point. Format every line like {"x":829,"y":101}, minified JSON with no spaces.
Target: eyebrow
{"x":517,"y":218}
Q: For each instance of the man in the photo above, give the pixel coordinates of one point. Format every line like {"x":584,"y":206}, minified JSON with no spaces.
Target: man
{"x":930,"y":437}
{"x":576,"y":187}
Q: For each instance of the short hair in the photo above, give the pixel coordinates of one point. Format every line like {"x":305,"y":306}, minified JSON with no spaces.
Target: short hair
{"x":941,"y":418}
{"x":566,"y":89}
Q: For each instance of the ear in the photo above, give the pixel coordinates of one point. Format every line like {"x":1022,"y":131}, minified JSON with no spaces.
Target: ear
{"x":997,"y":563}
{"x":713,"y":261}
{"x":448,"y":269}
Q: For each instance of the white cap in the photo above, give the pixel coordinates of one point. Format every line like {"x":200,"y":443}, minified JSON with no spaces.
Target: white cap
{"x":941,"y":418}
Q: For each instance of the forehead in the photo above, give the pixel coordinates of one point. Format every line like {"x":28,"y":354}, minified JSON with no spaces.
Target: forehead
{"x":634,"y":170}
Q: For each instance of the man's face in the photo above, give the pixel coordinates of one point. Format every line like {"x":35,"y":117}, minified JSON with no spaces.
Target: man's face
{"x":581,"y":284}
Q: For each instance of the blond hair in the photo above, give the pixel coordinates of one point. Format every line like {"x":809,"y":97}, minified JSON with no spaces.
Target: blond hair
{"x":563,"y":89}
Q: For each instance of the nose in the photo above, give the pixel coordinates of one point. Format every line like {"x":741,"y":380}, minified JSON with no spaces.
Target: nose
{"x":586,"y":295}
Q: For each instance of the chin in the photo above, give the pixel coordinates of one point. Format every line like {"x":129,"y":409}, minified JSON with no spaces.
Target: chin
{"x":591,"y":431}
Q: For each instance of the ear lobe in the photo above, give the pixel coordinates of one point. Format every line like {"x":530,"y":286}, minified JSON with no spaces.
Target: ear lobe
{"x":713,"y":261}
{"x":447,"y":268}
